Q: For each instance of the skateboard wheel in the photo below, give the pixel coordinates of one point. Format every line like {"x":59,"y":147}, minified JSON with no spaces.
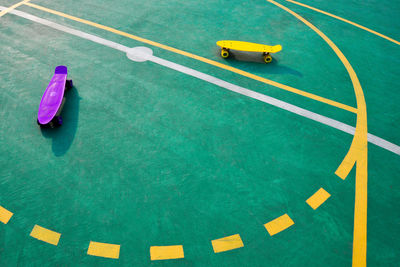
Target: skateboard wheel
{"x":55,"y":122}
{"x":69,"y":84}
{"x":267,"y":58}
{"x":224,"y":53}
{"x":59,"y":120}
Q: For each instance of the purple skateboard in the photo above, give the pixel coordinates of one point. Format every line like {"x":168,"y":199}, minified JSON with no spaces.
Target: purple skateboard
{"x":53,"y":99}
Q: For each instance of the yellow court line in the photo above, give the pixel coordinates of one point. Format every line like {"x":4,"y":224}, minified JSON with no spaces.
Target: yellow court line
{"x":5,"y":215}
{"x":166,"y":252}
{"x":5,"y":11}
{"x":103,"y":250}
{"x":358,"y":152}
{"x":45,"y":235}
{"x":227,"y":243}
{"x":205,"y":60}
{"x":347,"y":21}
{"x":279,"y":224}
{"x":318,"y":198}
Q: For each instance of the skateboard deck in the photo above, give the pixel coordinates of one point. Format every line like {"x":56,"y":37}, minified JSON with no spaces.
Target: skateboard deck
{"x":52,"y":98}
{"x":249,"y":47}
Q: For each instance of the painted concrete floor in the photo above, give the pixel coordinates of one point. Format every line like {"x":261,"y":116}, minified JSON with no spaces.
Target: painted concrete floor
{"x":189,"y":159}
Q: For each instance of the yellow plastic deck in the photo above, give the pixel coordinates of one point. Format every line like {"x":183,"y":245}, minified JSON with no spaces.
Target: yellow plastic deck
{"x":250,"y":47}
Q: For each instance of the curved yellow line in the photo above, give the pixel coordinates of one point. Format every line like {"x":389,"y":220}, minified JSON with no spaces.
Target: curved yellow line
{"x":205,"y":60}
{"x":347,"y":21}
{"x":357,"y":153}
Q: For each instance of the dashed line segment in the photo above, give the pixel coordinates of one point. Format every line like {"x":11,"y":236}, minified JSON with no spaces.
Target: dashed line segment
{"x":279,"y":224}
{"x":104,"y":250}
{"x":166,"y":252}
{"x":45,"y":235}
{"x":227,"y":243}
{"x":318,"y":198}
{"x":5,"y":215}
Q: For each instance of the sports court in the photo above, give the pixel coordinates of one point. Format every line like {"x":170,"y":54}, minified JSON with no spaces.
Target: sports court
{"x":170,"y":155}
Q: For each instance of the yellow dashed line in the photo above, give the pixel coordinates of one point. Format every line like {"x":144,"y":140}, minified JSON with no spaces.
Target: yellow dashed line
{"x":227,"y":243}
{"x":345,"y":20}
{"x":279,"y":224}
{"x":103,"y":250}
{"x":318,"y":198}
{"x":205,"y":60}
{"x":166,"y":252}
{"x":5,"y":11}
{"x":45,"y":235}
{"x":5,"y":215}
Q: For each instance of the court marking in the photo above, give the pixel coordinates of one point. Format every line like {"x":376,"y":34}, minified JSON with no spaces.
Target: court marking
{"x":358,"y":152}
{"x":345,"y":20}
{"x":5,"y":11}
{"x":318,"y":198}
{"x":279,"y":224}
{"x":211,"y":79}
{"x":45,"y":235}
{"x":196,"y":57}
{"x":104,"y":250}
{"x":166,"y":252}
{"x":5,"y":215}
{"x":227,"y":243}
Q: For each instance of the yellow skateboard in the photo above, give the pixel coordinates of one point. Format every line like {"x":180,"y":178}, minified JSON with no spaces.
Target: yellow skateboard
{"x":249,"y":47}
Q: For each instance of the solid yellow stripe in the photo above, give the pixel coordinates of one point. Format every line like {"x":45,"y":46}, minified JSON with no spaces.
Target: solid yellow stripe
{"x":279,"y":224}
{"x":5,"y":11}
{"x":5,"y":215}
{"x":318,"y":198}
{"x":205,"y":60}
{"x":166,"y":252}
{"x":103,"y":250}
{"x":360,"y":213}
{"x":227,"y":243}
{"x":358,"y":152}
{"x":347,"y":21}
{"x":45,"y":235}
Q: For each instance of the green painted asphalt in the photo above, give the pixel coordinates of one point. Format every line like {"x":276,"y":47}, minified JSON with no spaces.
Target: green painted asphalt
{"x":148,"y":156}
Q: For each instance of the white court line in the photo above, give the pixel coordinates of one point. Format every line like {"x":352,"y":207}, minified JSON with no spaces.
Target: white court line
{"x":211,"y":79}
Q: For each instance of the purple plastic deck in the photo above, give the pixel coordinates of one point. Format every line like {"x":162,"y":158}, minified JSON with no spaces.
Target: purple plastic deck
{"x":53,"y":96}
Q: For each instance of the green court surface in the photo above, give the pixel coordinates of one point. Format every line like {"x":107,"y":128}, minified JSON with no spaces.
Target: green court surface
{"x":189,"y":159}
